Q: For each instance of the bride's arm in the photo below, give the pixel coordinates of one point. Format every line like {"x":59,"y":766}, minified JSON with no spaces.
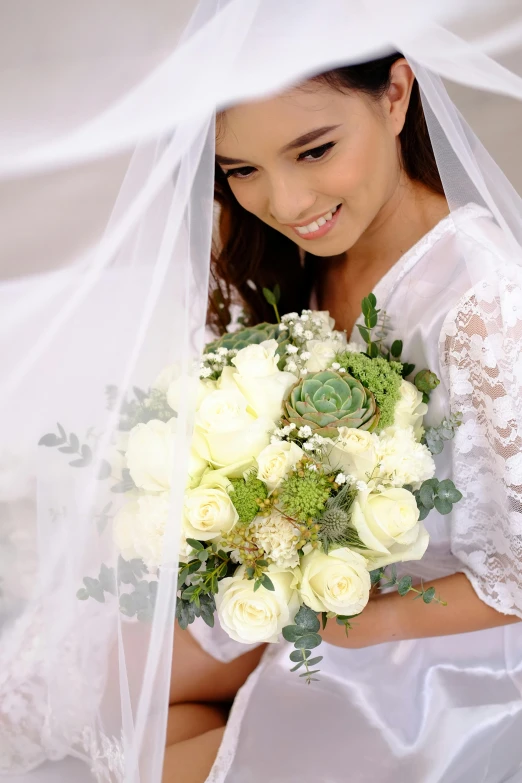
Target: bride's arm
{"x":390,"y":617}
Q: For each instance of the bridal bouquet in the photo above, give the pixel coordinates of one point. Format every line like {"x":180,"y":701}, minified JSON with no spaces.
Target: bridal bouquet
{"x":310,"y":473}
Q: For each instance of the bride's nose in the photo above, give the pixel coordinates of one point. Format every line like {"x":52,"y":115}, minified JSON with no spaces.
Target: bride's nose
{"x":289,"y":200}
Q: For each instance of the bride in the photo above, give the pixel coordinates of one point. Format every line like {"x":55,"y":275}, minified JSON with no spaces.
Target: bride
{"x":331,"y":189}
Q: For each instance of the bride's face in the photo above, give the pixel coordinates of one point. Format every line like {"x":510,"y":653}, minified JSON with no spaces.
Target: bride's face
{"x":316,"y":164}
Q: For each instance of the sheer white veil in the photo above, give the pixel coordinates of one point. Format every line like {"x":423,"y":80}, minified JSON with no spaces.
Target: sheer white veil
{"x":106,"y":186}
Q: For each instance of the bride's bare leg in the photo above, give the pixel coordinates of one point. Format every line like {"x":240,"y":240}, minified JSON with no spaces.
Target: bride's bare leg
{"x":200,"y":686}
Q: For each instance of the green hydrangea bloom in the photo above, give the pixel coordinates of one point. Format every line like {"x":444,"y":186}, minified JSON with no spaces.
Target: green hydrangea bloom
{"x":304,"y":493}
{"x":380,"y":376}
{"x":245,"y":496}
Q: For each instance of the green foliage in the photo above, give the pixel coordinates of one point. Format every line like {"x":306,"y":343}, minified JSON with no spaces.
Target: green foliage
{"x":70,"y":444}
{"x":273,"y":297}
{"x":245,"y":495}
{"x":305,"y":637}
{"x":441,"y":495}
{"x":126,"y":484}
{"x":426,"y":381}
{"x":434,"y":437}
{"x":303,"y":494}
{"x":405,"y":585}
{"x":142,"y":408}
{"x":187,"y":611}
{"x":140,"y":601}
{"x":381,"y":377}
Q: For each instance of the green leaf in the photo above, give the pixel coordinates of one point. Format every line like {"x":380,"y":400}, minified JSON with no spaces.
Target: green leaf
{"x":372,"y":319}
{"x":373,"y":351}
{"x":299,"y":655}
{"x":423,"y":513}
{"x":82,"y":594}
{"x":315,"y":661}
{"x":324,"y":619}
{"x":63,"y":434}
{"x":250,"y":572}
{"x":203,"y":555}
{"x":293,"y":632}
{"x":366,"y":306}
{"x":207,"y":615}
{"x":269,"y":296}
{"x":127,"y":605}
{"x":197,"y":545}
{"x":262,"y":562}
{"x":104,"y":471}
{"x":257,"y":585}
{"x":307,"y":619}
{"x":364,"y":332}
{"x":448,"y":491}
{"x":443,"y":506}
{"x":49,"y":440}
{"x":94,"y":589}
{"x":308,"y":642}
{"x":396,"y":348}
{"x":188,"y":594}
{"x":307,"y":674}
{"x":376,"y":575}
{"x":372,"y":299}
{"x":295,"y":668}
{"x":404,"y":585}
{"x":267,"y":583}
{"x":407,"y":369}
{"x":426,"y":495}
{"x":277,"y":293}
{"x":428,"y":595}
{"x":107,"y":579}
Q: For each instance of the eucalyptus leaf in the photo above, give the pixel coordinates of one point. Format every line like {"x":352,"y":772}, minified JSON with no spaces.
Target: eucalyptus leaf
{"x":299,"y":655}
{"x":428,"y":595}
{"x":404,"y":585}
{"x":197,"y":545}
{"x":49,"y":440}
{"x":307,"y":619}
{"x":293,"y":632}
{"x":127,"y":605}
{"x":308,"y":642}
{"x":314,"y":661}
{"x":298,"y":666}
{"x":443,"y":506}
{"x":82,"y":594}
{"x":426,"y":495}
{"x":396,"y":349}
{"x":104,"y":471}
{"x":267,"y":583}
{"x":269,"y":296}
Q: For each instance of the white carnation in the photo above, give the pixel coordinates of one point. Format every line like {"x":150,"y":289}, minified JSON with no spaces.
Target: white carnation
{"x":139,"y":527}
{"x":402,"y":459}
{"x":278,"y":538}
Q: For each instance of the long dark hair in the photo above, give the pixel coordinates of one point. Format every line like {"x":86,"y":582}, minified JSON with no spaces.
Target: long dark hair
{"x":252,"y":255}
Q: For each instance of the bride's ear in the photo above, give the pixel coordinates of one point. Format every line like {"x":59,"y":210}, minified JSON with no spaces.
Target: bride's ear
{"x":397,"y":97}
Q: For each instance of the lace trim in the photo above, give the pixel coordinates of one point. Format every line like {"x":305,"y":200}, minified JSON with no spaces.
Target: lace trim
{"x":481,"y":360}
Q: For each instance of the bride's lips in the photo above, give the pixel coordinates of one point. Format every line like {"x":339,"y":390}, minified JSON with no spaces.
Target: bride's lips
{"x":321,"y":230}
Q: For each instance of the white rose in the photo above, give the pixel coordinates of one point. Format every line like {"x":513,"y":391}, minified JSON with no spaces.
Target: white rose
{"x":139,"y":527}
{"x":322,"y":353}
{"x":276,"y":461}
{"x":264,"y":394}
{"x":337,"y":582}
{"x":402,"y":459}
{"x":410,"y":409}
{"x":208,"y":510}
{"x":250,"y":617}
{"x":177,"y":386}
{"x":257,"y":361}
{"x":150,"y":456}
{"x":226,"y":433}
{"x":388,"y":524}
{"x":354,"y":453}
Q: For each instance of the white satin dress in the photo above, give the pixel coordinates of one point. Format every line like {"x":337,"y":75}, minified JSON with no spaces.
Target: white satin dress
{"x":444,"y":709}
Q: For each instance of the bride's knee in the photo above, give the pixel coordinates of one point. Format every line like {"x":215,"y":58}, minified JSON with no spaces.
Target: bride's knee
{"x":198,"y":677}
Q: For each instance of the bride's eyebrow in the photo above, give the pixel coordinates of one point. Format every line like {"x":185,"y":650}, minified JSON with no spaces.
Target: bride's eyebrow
{"x":301,"y":141}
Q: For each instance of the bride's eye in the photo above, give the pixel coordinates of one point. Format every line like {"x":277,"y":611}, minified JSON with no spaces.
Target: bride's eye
{"x":318,"y":152}
{"x":240,"y":173}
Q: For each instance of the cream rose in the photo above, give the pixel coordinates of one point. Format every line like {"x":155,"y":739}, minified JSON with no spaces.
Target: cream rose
{"x":250,"y":617}
{"x":410,"y":409}
{"x":402,"y":459}
{"x":259,"y":380}
{"x":388,"y":524}
{"x":226,"y":432}
{"x":139,"y":527}
{"x":337,"y":582}
{"x":208,"y":511}
{"x":354,"y":453}
{"x":322,"y":353}
{"x":150,"y":456}
{"x":179,"y":386}
{"x":257,"y":361}
{"x":276,"y":461}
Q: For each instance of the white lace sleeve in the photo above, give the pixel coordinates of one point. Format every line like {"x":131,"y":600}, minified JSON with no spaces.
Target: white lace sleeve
{"x":481,"y":359}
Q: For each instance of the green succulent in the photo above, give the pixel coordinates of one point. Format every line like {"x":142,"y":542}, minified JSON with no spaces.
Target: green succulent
{"x":252,"y":335}
{"x":327,"y":400}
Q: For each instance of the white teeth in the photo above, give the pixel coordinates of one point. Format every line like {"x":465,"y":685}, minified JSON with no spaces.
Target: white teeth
{"x":316,"y":224}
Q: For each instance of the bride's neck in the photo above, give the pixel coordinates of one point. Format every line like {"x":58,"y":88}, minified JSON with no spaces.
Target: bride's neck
{"x":412,"y":211}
